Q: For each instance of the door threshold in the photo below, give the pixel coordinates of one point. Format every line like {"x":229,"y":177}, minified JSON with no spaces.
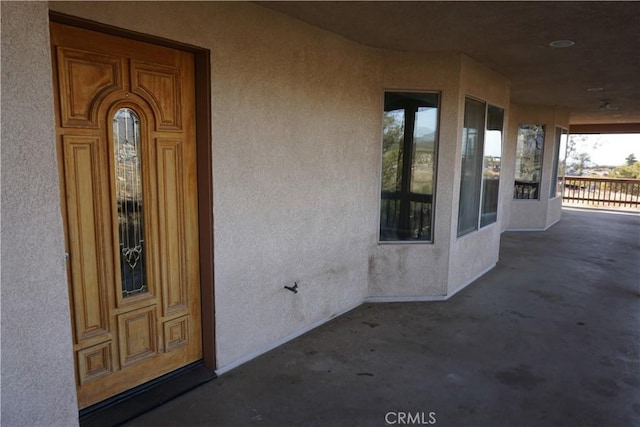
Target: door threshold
{"x":132,"y":403}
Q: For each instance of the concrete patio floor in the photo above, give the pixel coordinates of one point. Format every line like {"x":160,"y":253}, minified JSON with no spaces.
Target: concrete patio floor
{"x":550,"y":337}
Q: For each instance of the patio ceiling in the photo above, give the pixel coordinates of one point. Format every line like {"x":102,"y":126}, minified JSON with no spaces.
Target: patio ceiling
{"x":597,"y":79}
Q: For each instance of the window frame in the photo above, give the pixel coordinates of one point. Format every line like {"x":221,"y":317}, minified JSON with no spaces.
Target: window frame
{"x":541,"y":167}
{"x":479,"y":181}
{"x":475,"y":181}
{"x":406,"y":194}
{"x":482,"y":186}
{"x":554,"y":190}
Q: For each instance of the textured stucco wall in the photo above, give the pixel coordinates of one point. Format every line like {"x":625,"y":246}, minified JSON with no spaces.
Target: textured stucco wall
{"x":295,"y":126}
{"x":474,"y":253}
{"x":507,"y":169}
{"x":421,"y":269}
{"x":554,"y":207}
{"x":38,"y":386}
{"x":554,"y":211}
{"x":431,"y":270}
{"x":534,"y":214}
{"x":297,"y":152}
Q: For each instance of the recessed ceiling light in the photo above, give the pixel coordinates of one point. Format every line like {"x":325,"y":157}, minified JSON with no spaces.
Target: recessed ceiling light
{"x":595,"y":89}
{"x":562,"y":43}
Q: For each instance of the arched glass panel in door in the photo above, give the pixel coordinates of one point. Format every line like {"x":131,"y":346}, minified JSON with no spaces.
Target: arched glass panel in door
{"x":129,"y":199}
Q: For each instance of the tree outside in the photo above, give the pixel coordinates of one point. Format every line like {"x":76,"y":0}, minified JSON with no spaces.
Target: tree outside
{"x":630,"y":170}
{"x":602,"y":155}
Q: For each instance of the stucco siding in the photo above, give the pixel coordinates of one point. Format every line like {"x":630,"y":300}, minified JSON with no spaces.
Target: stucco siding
{"x":38,"y":386}
{"x":554,"y":211}
{"x":473,"y":254}
{"x":421,"y":269}
{"x":296,"y":134}
{"x":295,"y":126}
{"x":537,"y":214}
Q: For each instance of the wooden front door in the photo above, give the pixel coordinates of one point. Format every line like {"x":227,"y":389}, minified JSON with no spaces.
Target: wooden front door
{"x":127,"y":152}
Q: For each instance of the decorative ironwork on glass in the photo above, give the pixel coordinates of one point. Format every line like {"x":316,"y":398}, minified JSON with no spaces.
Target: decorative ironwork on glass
{"x":128,"y":172}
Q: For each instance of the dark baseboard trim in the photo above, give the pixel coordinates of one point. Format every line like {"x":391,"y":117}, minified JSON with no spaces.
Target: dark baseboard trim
{"x":130,"y":404}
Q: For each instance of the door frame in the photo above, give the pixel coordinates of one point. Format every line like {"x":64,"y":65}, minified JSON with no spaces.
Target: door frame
{"x":204,"y":164}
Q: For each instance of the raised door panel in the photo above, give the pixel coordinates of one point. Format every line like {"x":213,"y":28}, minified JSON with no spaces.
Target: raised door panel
{"x":137,"y":332}
{"x":171,"y":221}
{"x":83,"y":192}
{"x":160,"y":85}
{"x":176,"y":333}
{"x":85,"y":78}
{"x":94,"y":362}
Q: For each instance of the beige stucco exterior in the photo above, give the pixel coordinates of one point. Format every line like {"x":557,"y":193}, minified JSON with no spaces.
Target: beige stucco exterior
{"x":475,"y":253}
{"x":296,"y":174}
{"x":38,"y":385}
{"x":410,"y":270}
{"x":543,"y":213}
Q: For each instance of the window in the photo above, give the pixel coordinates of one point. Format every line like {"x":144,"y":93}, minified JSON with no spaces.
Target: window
{"x":480,"y":174}
{"x":409,"y":141}
{"x":127,"y":147}
{"x":529,"y":162}
{"x":470,"y":182}
{"x":559,"y":162}
{"x":491,"y":165}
